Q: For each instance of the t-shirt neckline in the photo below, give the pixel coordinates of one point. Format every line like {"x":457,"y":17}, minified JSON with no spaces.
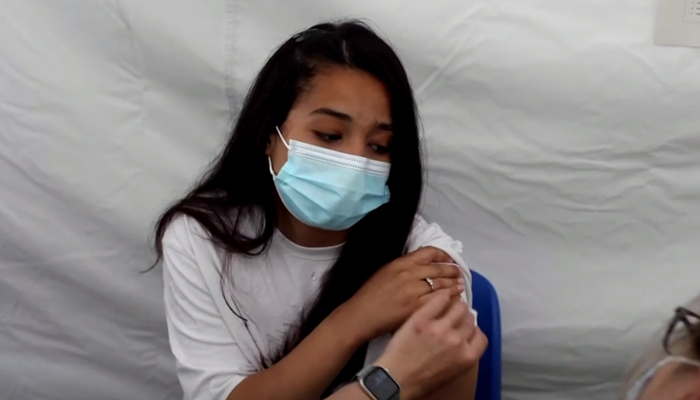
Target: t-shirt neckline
{"x":313,"y":253}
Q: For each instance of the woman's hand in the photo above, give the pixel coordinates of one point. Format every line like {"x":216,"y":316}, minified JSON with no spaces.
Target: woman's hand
{"x":398,"y":289}
{"x":436,"y":344}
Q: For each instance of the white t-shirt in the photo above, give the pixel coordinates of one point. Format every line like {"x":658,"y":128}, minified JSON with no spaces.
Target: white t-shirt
{"x":213,"y":348}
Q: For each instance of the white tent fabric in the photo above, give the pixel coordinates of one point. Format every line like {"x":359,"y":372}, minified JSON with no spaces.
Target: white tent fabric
{"x":562,"y":152}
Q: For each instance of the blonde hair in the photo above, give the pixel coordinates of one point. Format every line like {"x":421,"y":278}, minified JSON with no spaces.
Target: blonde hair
{"x":682,"y":344}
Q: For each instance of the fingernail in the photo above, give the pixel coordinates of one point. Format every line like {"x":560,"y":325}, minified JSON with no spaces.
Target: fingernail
{"x":461,"y":281}
{"x":461,"y":288}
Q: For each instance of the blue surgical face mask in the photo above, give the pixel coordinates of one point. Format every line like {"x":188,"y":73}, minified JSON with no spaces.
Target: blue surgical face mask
{"x":636,"y":391}
{"x":328,"y":189}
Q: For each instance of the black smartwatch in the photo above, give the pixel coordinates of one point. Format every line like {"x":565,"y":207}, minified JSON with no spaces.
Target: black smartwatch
{"x":378,"y":383}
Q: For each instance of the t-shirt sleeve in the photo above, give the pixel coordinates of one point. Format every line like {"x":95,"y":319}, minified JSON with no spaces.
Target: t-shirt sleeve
{"x":426,"y":234}
{"x":209,"y":361}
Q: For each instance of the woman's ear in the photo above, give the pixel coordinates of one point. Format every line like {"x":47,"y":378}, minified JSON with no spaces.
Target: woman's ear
{"x":269,"y":149}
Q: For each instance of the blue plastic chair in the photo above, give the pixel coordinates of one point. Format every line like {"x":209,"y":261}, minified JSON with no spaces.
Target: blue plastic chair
{"x":486,"y":304}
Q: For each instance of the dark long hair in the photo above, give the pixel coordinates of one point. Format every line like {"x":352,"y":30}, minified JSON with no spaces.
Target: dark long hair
{"x":239,"y":188}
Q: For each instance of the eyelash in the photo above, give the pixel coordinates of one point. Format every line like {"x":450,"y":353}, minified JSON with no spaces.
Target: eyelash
{"x":334,"y":137}
{"x":379,"y":149}
{"x":328,"y":137}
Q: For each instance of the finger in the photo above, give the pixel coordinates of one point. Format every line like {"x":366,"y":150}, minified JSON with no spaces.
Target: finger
{"x":437,"y":271}
{"x":456,"y":291}
{"x":433,"y":308}
{"x":447,"y":283}
{"x":468,"y":325}
{"x":446,"y":263}
{"x":443,"y":257}
{"x":430,"y":254}
{"x":475,"y":324}
{"x":453,"y":293}
{"x":457,"y":315}
{"x":454,"y":286}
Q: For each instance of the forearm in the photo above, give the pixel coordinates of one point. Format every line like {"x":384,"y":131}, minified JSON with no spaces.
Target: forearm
{"x":349,"y":392}
{"x":309,"y":369}
{"x":461,"y":388}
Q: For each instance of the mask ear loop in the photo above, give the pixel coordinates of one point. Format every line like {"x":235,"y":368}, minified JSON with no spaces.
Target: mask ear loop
{"x":269,"y":160}
{"x":282,"y":137}
{"x":636,"y":391}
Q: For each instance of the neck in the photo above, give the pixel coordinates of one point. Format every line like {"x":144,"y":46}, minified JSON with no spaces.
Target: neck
{"x":304,"y":235}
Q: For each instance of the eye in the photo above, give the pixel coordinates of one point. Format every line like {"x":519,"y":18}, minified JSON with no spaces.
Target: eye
{"x":328,"y":137}
{"x":379,"y":149}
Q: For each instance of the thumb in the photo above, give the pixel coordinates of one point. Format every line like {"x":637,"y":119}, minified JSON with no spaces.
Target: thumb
{"x":477,"y":345}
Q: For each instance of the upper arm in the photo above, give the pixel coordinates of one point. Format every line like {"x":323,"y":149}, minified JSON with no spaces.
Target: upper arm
{"x":426,"y":234}
{"x":209,"y":361}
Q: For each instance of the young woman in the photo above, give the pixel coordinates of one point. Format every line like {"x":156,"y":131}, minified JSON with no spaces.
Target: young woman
{"x":290,"y":264}
{"x":670,"y":368}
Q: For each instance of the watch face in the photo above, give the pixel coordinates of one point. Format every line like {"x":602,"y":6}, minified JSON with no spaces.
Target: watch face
{"x":380,"y":384}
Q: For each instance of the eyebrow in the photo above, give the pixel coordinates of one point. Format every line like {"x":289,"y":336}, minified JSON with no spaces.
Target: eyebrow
{"x":346,"y":118}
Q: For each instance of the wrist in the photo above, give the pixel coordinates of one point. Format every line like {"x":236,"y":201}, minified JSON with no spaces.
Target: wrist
{"x":348,"y":326}
{"x":401,"y":375}
{"x":357,"y":392}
